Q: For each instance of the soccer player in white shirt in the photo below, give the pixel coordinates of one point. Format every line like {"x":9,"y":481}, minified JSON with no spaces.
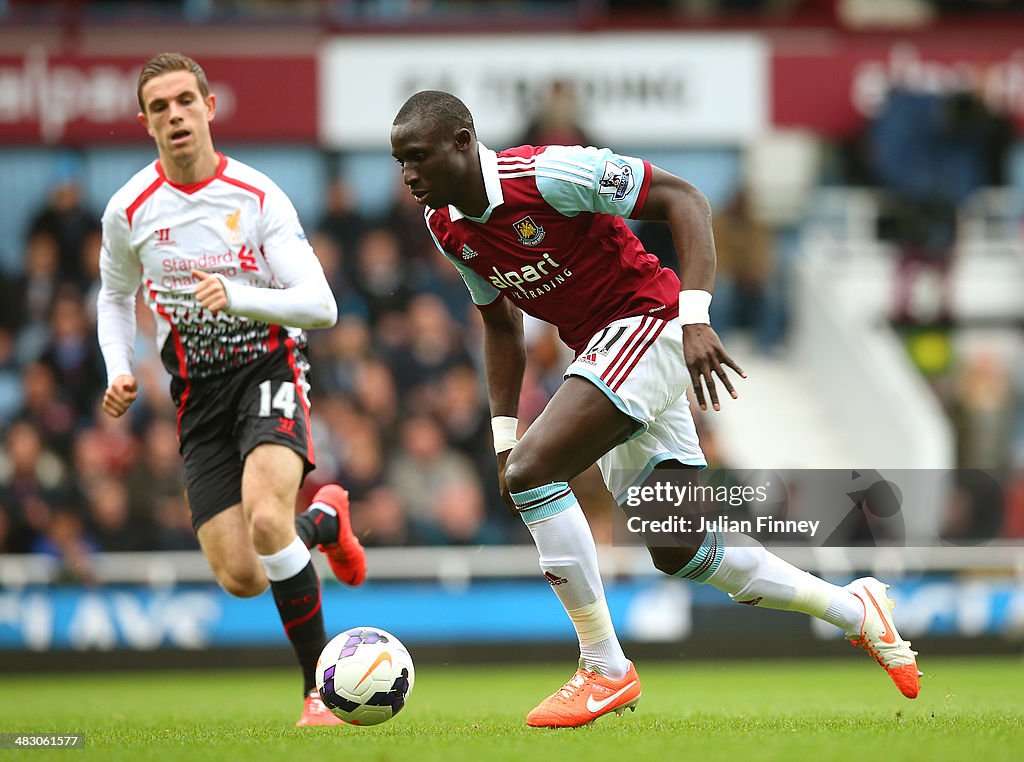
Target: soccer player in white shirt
{"x":233,"y":284}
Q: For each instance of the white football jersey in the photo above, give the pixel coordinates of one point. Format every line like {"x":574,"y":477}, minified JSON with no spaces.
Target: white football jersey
{"x":237,"y":224}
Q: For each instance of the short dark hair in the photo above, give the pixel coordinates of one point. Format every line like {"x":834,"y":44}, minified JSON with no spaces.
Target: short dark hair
{"x":166,"y":62}
{"x":442,"y":108}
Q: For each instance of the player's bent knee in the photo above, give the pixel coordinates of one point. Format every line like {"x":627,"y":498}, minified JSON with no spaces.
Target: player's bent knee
{"x":268,"y":524}
{"x":242,"y":583}
{"x":523,"y":473}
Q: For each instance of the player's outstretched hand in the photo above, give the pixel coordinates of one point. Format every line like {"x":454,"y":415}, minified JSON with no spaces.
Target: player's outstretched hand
{"x":705,"y":356}
{"x":210,"y":291}
{"x":120,"y":395}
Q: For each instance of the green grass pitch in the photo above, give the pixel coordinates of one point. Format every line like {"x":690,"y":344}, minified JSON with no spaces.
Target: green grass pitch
{"x":731,"y":710}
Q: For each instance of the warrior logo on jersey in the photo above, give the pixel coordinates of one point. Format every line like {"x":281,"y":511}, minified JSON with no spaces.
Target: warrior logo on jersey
{"x":617,"y":181}
{"x":232,"y":221}
{"x":530,"y":233}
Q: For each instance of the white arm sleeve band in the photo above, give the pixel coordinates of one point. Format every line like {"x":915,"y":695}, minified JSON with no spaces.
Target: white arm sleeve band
{"x":115,"y":328}
{"x":120,"y":277}
{"x":308,"y":303}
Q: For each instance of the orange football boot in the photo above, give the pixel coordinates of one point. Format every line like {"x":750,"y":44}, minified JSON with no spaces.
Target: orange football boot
{"x":879,"y":638}
{"x":587,"y":696}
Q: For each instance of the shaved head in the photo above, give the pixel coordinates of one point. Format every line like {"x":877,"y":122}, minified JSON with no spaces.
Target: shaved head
{"x":443,"y":109}
{"x":434,"y":141}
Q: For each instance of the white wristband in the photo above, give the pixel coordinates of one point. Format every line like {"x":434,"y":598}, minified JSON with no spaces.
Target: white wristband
{"x":504,"y":428}
{"x":227,"y":289}
{"x":694,"y":307}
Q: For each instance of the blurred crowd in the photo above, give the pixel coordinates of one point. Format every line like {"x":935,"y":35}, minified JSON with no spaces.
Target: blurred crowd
{"x":400,"y":413}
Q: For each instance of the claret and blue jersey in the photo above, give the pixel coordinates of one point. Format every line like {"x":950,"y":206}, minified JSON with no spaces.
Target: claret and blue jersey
{"x":554,"y":242}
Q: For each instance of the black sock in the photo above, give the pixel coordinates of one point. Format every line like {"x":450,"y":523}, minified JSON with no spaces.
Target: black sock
{"x":316,"y":527}
{"x":298,"y":603}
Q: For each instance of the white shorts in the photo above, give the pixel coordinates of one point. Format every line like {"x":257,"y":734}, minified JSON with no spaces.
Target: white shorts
{"x":638,"y":363}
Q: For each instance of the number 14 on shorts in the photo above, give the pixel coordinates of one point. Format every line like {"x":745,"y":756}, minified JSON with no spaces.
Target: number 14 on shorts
{"x":283,"y":400}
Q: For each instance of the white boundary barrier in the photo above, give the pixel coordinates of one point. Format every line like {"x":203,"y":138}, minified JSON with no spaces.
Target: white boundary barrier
{"x":460,"y":564}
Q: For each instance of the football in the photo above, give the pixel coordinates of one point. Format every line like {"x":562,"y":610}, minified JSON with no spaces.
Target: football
{"x":365,"y":675}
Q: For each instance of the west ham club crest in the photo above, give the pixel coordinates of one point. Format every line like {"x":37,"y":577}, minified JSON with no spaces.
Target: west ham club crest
{"x":529,"y":232}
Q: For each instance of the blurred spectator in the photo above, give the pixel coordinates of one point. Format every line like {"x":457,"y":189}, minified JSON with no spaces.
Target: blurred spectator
{"x":340,"y":280}
{"x":110,"y":521}
{"x":462,"y":410}
{"x":548,"y":356}
{"x":363,"y":464}
{"x":532,"y":397}
{"x":116,"y":441}
{"x":74,"y":355}
{"x":982,"y":413}
{"x":931,"y":152}
{"x":26,"y":300}
{"x":48,"y":406}
{"x":66,"y":218}
{"x":380,"y":520}
{"x":376,"y":395}
{"x":437,"y":277}
{"x":31,"y":483}
{"x":974,"y":510}
{"x":151,"y":404}
{"x":404,"y":217}
{"x":424,"y":465}
{"x":156,"y":491}
{"x":328,"y":251}
{"x":382,"y":278}
{"x":556,"y":120}
{"x":330,"y":419}
{"x":431,"y":349}
{"x":66,"y":541}
{"x":344,"y":226}
{"x":89,"y":459}
{"x":339,"y":352}
{"x":746,"y":269}
{"x":458,"y":516}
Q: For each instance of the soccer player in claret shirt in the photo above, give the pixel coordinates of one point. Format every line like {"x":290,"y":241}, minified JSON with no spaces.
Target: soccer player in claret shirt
{"x":540,"y":230}
{"x":226,"y":269}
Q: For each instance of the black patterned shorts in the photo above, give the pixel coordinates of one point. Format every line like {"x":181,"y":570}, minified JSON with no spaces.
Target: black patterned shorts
{"x":222,"y":418}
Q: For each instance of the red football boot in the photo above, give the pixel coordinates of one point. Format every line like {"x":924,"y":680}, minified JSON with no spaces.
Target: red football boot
{"x":346,"y":556}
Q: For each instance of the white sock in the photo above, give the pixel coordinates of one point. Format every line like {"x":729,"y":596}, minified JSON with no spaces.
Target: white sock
{"x":287,"y":562}
{"x":599,"y":648}
{"x":568,"y":558}
{"x":753,"y":575}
